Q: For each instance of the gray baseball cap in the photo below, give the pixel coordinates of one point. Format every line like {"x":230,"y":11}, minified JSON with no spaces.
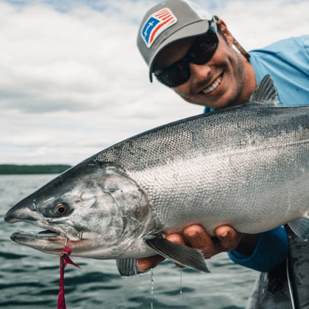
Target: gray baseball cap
{"x":168,"y":22}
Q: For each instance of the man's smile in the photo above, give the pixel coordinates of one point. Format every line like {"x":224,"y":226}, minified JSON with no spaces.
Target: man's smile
{"x":213,"y":86}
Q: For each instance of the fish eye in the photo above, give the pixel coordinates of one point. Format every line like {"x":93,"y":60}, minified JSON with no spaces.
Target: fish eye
{"x":61,"y":209}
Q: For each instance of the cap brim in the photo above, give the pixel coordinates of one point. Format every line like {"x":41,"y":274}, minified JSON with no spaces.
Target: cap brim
{"x":191,"y":30}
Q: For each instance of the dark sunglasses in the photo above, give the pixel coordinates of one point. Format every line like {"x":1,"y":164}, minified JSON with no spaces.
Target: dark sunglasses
{"x":200,"y":52}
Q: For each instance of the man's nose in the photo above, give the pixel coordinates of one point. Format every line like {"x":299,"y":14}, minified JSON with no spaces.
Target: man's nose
{"x":199,"y":72}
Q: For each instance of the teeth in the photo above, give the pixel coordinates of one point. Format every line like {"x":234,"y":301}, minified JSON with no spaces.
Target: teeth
{"x":213,"y":86}
{"x":48,"y":232}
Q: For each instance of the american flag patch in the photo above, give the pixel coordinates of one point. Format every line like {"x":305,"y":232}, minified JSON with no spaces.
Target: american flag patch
{"x":156,"y":24}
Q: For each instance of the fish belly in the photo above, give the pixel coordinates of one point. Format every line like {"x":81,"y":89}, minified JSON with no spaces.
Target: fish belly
{"x":253,"y":191}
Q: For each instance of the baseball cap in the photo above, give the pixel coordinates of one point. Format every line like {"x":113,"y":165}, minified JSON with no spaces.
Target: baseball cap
{"x":168,"y":22}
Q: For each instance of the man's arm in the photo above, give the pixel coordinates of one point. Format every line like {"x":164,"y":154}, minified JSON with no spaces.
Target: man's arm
{"x":270,"y":250}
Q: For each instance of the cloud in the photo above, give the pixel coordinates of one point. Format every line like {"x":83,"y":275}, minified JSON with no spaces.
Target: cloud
{"x":72,"y":81}
{"x":256,"y":24}
{"x":60,"y":61}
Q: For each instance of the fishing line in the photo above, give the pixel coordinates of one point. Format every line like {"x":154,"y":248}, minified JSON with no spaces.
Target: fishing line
{"x":180,"y":287}
{"x":152,"y":290}
{"x":291,"y":275}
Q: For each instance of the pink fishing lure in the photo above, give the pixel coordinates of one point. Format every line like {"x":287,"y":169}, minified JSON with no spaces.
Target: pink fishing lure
{"x":64,"y":261}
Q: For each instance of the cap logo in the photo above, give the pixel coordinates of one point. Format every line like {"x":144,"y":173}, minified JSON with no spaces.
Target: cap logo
{"x":156,"y":24}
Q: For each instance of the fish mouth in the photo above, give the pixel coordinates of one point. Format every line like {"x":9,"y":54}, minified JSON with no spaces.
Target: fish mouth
{"x":47,"y":241}
{"x":26,"y":237}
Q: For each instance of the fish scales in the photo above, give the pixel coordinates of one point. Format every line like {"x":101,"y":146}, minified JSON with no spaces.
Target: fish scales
{"x":233,"y":160}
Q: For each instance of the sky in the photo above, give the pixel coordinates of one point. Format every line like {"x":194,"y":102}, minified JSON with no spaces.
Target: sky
{"x":72,"y":81}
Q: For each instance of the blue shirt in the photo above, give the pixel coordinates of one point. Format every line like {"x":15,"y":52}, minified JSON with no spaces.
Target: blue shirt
{"x":287,"y":61}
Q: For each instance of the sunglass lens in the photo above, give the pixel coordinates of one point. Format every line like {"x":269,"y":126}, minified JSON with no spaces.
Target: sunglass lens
{"x":175,"y":75}
{"x":204,"y":48}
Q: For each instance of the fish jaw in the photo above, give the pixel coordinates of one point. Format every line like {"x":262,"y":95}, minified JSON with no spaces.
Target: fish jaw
{"x":45,"y":241}
{"x":51,"y":242}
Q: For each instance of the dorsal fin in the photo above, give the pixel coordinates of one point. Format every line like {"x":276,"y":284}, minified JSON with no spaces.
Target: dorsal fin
{"x":266,"y":92}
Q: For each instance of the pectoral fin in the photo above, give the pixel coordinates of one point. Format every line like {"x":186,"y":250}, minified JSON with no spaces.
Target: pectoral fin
{"x":300,"y":227}
{"x":128,"y":268}
{"x":179,"y":254}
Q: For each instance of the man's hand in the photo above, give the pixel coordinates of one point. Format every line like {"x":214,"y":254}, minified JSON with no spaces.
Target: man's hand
{"x":227,"y":239}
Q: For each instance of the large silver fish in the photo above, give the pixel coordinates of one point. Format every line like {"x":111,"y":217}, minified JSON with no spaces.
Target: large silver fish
{"x":245,"y":166}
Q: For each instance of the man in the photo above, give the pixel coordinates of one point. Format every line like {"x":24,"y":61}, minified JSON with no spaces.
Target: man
{"x":194,"y":54}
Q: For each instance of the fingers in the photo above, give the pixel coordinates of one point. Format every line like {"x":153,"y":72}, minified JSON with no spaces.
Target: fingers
{"x":229,"y":239}
{"x":149,"y":262}
{"x":199,"y":239}
{"x":176,"y":238}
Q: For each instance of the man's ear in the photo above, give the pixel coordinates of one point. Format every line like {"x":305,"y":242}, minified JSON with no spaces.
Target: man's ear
{"x":229,"y":38}
{"x":225,"y":31}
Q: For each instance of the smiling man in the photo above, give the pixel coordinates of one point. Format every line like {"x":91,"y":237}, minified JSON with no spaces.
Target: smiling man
{"x":218,"y":84}
{"x":193,"y":53}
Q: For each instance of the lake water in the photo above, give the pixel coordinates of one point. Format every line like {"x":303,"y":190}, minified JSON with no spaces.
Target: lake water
{"x":30,"y":279}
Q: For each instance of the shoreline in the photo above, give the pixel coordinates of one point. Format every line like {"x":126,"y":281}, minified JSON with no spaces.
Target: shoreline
{"x":15,"y":169}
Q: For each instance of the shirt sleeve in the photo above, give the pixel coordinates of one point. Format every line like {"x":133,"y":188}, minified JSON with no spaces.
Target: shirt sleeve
{"x":271,"y":249}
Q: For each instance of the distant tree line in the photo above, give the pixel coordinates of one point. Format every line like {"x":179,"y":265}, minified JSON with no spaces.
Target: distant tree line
{"x":7,"y":169}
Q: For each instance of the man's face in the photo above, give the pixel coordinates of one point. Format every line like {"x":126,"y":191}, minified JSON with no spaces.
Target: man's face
{"x":225,"y":80}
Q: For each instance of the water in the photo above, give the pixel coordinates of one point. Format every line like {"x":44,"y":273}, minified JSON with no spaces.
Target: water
{"x":30,"y":279}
